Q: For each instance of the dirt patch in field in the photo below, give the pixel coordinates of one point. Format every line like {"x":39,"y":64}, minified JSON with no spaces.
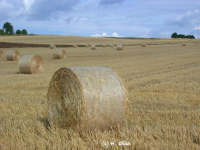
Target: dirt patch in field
{"x":10,"y":45}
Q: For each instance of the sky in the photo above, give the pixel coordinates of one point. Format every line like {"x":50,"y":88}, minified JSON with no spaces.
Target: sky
{"x":102,"y":18}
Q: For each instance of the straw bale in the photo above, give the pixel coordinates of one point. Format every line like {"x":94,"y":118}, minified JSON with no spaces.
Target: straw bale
{"x":31,"y":64}
{"x":143,"y":44}
{"x":196,"y":42}
{"x":87,"y":45}
{"x":184,"y":44}
{"x":120,"y":46}
{"x":52,"y":46}
{"x":59,"y":54}
{"x":1,"y":53}
{"x":75,"y":45}
{"x":13,"y":55}
{"x":86,"y":98}
{"x":93,"y":47}
{"x":104,"y":45}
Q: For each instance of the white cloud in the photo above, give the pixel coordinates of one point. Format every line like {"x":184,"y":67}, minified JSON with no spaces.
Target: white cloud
{"x":104,"y":34}
{"x":27,"y":4}
{"x":115,"y":34}
{"x":96,"y":35}
{"x":187,"y":19}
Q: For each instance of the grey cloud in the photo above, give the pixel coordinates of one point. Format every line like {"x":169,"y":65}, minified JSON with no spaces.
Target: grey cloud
{"x":68,"y":20}
{"x":110,"y":2}
{"x":43,"y":9}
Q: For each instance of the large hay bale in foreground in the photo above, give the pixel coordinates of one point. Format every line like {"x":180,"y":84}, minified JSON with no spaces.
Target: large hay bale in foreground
{"x":86,"y":98}
{"x":143,"y":44}
{"x":31,"y":64}
{"x":184,"y":44}
{"x":93,"y":47}
{"x":12,"y":55}
{"x":120,"y":46}
{"x":1,"y":53}
{"x":52,"y":46}
{"x":59,"y":54}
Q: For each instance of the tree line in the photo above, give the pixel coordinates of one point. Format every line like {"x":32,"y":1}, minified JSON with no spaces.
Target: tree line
{"x":8,"y":30}
{"x":175,"y":35}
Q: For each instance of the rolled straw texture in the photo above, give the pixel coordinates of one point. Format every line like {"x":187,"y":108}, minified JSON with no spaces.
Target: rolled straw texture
{"x":184,"y":44}
{"x":143,"y":45}
{"x":93,"y":47}
{"x":59,"y":54}
{"x":75,"y":46}
{"x":86,"y":98}
{"x":31,"y":64}
{"x":52,"y":46}
{"x":1,"y":53}
{"x":12,"y":55}
{"x":120,"y":46}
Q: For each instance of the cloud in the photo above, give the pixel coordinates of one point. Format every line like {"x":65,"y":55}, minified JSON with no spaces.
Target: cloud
{"x":110,"y":2}
{"x":104,"y":34}
{"x":5,"y":9}
{"x":45,"y":9}
{"x":115,"y":34}
{"x":96,"y":35}
{"x":191,"y":18}
{"x":68,"y":20}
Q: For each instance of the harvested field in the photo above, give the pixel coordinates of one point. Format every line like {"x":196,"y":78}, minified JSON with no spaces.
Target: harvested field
{"x":163,"y":87}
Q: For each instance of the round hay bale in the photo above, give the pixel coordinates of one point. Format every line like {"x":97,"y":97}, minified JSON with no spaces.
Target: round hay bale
{"x":59,"y":54}
{"x":104,"y":45}
{"x":31,"y":64}
{"x":184,"y":44}
{"x":12,"y":55}
{"x":87,"y":45}
{"x":143,"y":44}
{"x":120,"y":46}
{"x":93,"y":47}
{"x":75,"y":45}
{"x":196,"y":42}
{"x":1,"y":53}
{"x":86,"y":98}
{"x":52,"y":46}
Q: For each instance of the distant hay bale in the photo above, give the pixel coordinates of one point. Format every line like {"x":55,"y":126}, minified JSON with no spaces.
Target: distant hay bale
{"x":196,"y":42}
{"x":52,"y":46}
{"x":59,"y":54}
{"x":86,"y":98}
{"x":1,"y":53}
{"x":120,"y":46}
{"x":104,"y":45}
{"x":143,"y":44}
{"x":93,"y":47}
{"x":87,"y":45}
{"x":13,"y":55}
{"x":75,"y":45}
{"x":31,"y":64}
{"x":172,"y":43}
{"x":184,"y":44}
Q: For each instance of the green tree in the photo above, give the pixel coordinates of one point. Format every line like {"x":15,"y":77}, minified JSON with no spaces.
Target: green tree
{"x":8,"y":28}
{"x":174,"y":35}
{"x":18,"y":32}
{"x":24,"y":32}
{"x":1,"y":32}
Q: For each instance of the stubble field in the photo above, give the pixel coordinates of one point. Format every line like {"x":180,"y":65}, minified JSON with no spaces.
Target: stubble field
{"x":163,"y":83}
